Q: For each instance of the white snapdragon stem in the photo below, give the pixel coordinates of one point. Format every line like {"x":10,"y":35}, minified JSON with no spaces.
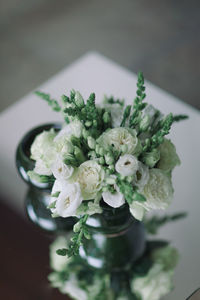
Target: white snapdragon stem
{"x":127,"y":165}
{"x":68,"y":200}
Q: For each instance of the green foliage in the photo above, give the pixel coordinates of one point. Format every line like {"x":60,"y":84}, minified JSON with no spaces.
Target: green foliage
{"x":80,"y":232}
{"x":177,"y":118}
{"x":154,"y":223}
{"x":111,"y":100}
{"x":94,"y":119}
{"x":51,"y":102}
{"x":158,"y":137}
{"x":126,"y":115}
{"x":138,"y":104}
{"x":40,"y":178}
{"x":129,"y":192}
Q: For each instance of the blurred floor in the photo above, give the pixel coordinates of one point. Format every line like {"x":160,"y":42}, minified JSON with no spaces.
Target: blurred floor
{"x":40,"y":37}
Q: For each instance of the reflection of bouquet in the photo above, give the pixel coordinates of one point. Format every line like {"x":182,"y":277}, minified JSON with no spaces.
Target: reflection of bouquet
{"x":116,"y":153}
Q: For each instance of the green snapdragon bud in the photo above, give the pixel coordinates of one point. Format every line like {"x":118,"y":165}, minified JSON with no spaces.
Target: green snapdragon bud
{"x":109,"y":159}
{"x":79,"y":100}
{"x":106,"y":117}
{"x":101,"y":161}
{"x":101,"y":151}
{"x":88,"y":123}
{"x":91,"y":142}
{"x":144,"y":123}
{"x":110,"y":180}
{"x":85,"y":133}
{"x":151,"y":158}
{"x":79,"y":154}
{"x":105,"y":189}
{"x":97,"y":148}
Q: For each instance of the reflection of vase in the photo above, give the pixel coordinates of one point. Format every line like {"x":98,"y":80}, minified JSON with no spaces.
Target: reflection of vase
{"x":117,"y":239}
{"x":38,"y":195}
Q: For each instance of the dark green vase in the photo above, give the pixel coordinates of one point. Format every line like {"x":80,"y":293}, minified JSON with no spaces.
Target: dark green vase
{"x":38,"y":194}
{"x":117,"y":239}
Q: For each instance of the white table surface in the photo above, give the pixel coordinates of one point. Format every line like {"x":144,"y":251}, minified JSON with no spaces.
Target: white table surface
{"x":95,"y":73}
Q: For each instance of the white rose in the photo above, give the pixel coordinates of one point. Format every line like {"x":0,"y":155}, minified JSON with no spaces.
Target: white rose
{"x":168,"y":156}
{"x":60,"y":170}
{"x":114,"y":200}
{"x":158,"y":191}
{"x":137,"y":210}
{"x":42,"y":143}
{"x":69,"y":200}
{"x":141,"y":176}
{"x":153,"y":286}
{"x":74,"y":128}
{"x":127,"y":165}
{"x":90,"y":176}
{"x":118,"y":137}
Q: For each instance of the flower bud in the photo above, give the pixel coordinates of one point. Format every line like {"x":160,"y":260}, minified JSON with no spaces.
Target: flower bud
{"x":88,"y":123}
{"x":91,"y":142}
{"x":79,"y":99}
{"x":106,"y":117}
{"x":151,"y":158}
{"x":85,"y":133}
{"x":101,"y":151}
{"x":109,"y":159}
{"x":101,"y":161}
{"x":144,"y":123}
{"x":79,"y":154}
{"x":110,"y":180}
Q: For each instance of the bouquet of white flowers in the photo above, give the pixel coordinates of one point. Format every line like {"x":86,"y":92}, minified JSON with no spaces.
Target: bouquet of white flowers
{"x":115,"y":153}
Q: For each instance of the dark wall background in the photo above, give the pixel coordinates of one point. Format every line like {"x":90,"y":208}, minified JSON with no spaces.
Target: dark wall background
{"x":40,"y":37}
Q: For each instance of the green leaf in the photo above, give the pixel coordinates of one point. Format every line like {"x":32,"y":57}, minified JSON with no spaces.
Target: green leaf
{"x":51,"y":102}
{"x":62,"y":252}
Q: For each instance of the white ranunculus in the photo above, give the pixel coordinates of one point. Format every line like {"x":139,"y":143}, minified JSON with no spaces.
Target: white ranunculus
{"x":42,"y":143}
{"x":141,"y":176}
{"x":137,"y":210}
{"x":72,"y":129}
{"x":60,"y":170}
{"x":69,"y":200}
{"x":41,"y":168}
{"x":118,"y":137}
{"x":114,"y":200}
{"x":153,"y":286}
{"x":168,"y":156}
{"x":90,"y":176}
{"x":127,"y":165}
{"x":158,"y":191}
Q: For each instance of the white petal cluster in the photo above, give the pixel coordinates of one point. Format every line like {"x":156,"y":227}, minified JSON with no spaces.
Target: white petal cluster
{"x":127,"y":165}
{"x":43,"y":152}
{"x":68,"y":199}
{"x":60,"y":170}
{"x":90,"y":176}
{"x":114,"y":200}
{"x":168,"y":156}
{"x":158,"y":190}
{"x":119,"y":137}
{"x":72,"y":129}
